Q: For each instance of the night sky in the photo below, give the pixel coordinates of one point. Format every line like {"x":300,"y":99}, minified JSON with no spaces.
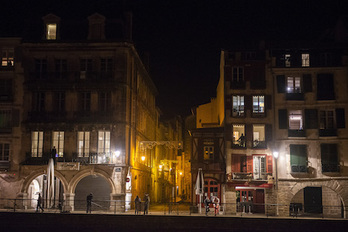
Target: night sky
{"x":184,"y":38}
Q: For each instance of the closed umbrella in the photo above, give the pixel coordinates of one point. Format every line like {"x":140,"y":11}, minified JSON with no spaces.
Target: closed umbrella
{"x":200,"y":188}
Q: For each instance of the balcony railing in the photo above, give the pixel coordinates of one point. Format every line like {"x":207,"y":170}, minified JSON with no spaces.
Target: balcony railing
{"x":250,"y":176}
{"x":259,"y":144}
{"x":327,"y":132}
{"x":330,"y":167}
{"x":295,"y":96}
{"x":296,"y":133}
{"x":299,"y":168}
{"x":98,"y":158}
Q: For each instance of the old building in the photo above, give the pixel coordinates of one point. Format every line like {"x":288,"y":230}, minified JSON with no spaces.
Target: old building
{"x":78,"y":93}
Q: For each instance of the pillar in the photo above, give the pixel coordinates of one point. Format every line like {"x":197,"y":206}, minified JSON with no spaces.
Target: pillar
{"x":118,"y":203}
{"x":230,"y":206}
{"x":68,"y":201}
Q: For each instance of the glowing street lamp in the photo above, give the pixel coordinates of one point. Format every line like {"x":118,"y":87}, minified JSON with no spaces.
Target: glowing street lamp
{"x":143,"y":158}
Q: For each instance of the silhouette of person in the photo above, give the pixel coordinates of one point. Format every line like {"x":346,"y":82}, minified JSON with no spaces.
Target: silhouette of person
{"x":89,"y":203}
{"x":38,"y":206}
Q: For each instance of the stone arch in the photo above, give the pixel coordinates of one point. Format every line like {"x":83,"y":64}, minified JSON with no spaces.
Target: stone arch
{"x":33,"y":175}
{"x":333,"y":185}
{"x":91,"y":171}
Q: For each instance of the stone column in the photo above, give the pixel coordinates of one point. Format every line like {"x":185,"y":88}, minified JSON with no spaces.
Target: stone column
{"x":230,"y":204}
{"x":118,"y":203}
{"x":271,"y":202}
{"x":22,"y":201}
{"x":69,"y":202}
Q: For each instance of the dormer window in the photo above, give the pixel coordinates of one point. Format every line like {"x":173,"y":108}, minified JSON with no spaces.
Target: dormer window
{"x":51,"y":31}
{"x":51,"y":27}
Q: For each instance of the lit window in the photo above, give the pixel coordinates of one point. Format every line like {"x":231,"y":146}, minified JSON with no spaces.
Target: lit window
{"x":259,"y":136}
{"x":238,"y":106}
{"x":305,"y":60}
{"x":258,"y":104}
{"x":295,"y":120}
{"x":51,"y":31}
{"x":83,"y":138}
{"x":294,"y":85}
{"x":287,"y":58}
{"x":104,"y":142}
{"x":239,"y":135}
{"x":208,"y":152}
{"x":36,"y":143}
{"x":4,"y":151}
{"x":58,"y":142}
{"x":7,"y":58}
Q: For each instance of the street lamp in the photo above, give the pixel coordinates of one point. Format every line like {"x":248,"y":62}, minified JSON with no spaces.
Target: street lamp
{"x":143,"y":158}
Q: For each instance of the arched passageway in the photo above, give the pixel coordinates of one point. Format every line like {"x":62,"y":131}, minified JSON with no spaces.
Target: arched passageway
{"x":99,"y":187}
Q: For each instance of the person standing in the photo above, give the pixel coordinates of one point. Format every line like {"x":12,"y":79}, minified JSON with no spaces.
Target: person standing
{"x":89,"y":203}
{"x":146,"y":204}
{"x":206,"y":203}
{"x":38,"y":206}
{"x":216,"y":204}
{"x":137,"y":202}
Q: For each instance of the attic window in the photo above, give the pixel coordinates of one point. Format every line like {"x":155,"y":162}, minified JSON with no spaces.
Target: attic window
{"x":51,"y":31}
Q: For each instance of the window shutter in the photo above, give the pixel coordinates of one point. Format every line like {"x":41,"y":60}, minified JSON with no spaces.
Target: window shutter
{"x":228,"y":73}
{"x":15,"y":118}
{"x":248,"y":133}
{"x":307,"y":83}
{"x":281,"y":83}
{"x":268,"y":102}
{"x":283,"y":118}
{"x":311,"y":119}
{"x":248,"y":102}
{"x":340,"y":118}
{"x":228,"y":130}
{"x":235,"y":166}
{"x":269,"y":164}
{"x":249,"y":164}
{"x":268,"y":132}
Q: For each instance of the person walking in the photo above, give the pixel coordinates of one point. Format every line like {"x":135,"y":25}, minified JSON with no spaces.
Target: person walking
{"x":38,"y":206}
{"x":137,"y":205}
{"x":89,"y":203}
{"x":206,"y":203}
{"x":146,"y":204}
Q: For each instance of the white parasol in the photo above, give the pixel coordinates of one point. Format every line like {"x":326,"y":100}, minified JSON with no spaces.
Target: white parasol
{"x":200,"y":187}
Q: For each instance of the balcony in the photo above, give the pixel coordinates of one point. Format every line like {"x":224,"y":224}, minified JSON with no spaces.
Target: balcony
{"x":299,"y":168}
{"x":259,"y":144}
{"x":296,"y":133}
{"x":98,"y":158}
{"x":327,"y":132}
{"x":263,"y":176}
{"x":39,"y":116}
{"x":330,"y":167}
{"x":295,"y":96}
{"x":4,"y":165}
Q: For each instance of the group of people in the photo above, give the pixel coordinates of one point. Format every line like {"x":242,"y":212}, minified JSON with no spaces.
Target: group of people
{"x":137,"y":206}
{"x":215,"y":201}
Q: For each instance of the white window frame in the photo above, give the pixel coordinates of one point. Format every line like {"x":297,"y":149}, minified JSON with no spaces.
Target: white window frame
{"x":260,"y":104}
{"x":36,"y":143}
{"x":58,"y":142}
{"x":104,"y":142}
{"x":83,"y":143}
{"x":238,"y":104}
{"x":305,"y":60}
{"x":295,"y":120}
{"x":294,"y":84}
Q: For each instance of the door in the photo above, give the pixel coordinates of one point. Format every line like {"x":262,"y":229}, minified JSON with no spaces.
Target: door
{"x":259,"y":201}
{"x":313,"y":200}
{"x":211,"y":188}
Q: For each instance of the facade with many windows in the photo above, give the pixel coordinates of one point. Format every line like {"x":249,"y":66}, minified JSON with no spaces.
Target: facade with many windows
{"x":85,"y":102}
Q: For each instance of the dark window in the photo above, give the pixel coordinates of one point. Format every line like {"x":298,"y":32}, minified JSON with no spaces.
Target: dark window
{"x":41,"y":68}
{"x":237,"y":74}
{"x":329,"y":157}
{"x":311,"y":118}
{"x":85,"y":101}
{"x":298,"y":158}
{"x":4,"y":151}
{"x":281,"y":84}
{"x":325,"y":87}
{"x":59,"y":102}
{"x":6,"y":90}
{"x":61,"y":69}
{"x":5,"y":121}
{"x":39,"y":101}
{"x":307,"y":83}
{"x":283,"y":118}
{"x":105,"y":101}
{"x":340,"y":118}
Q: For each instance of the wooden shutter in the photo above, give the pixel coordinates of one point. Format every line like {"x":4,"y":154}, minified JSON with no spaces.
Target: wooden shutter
{"x":235,"y":165}
{"x":268,"y":132}
{"x":311,"y":119}
{"x":269,"y":164}
{"x":340,"y":118}
{"x":283,"y":118}
{"x":268,"y":102}
{"x":249,"y":164}
{"x":307,"y":83}
{"x":281,"y":83}
{"x":248,"y":132}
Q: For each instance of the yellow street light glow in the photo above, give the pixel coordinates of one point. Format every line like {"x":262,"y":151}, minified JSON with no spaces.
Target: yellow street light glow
{"x":143,"y":158}
{"x":180,"y":173}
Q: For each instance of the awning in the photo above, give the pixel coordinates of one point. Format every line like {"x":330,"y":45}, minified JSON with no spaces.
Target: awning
{"x":262,"y":186}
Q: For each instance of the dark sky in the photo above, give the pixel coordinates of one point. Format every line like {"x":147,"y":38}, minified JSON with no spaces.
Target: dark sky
{"x":184,"y":37}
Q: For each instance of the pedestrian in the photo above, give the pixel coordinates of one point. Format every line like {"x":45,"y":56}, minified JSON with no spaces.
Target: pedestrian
{"x":216,"y":203}
{"x":38,"y":206}
{"x":146,"y":204}
{"x":89,"y":203}
{"x":206,"y":203}
{"x":137,"y":205}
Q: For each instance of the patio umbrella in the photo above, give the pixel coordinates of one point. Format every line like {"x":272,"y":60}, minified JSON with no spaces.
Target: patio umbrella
{"x":50,"y":183}
{"x":200,"y":187}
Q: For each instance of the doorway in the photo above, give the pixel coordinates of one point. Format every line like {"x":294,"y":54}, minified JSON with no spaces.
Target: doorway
{"x":313,"y":200}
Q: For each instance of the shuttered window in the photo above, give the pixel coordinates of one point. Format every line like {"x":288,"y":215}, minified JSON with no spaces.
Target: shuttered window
{"x":298,"y":158}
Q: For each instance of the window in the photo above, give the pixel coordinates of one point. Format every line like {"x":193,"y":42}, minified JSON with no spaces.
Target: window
{"x":61,"y":68}
{"x":295,"y":120}
{"x":329,"y":158}
{"x":85,"y":101}
{"x":106,"y":65}
{"x":4,"y":151}
{"x":7,"y":58}
{"x":39,"y":101}
{"x":51,"y":30}
{"x":325,"y":87}
{"x":305,"y":60}
{"x":104,"y":142}
{"x":104,"y":101}
{"x":326,"y":59}
{"x":298,"y":158}
{"x":294,"y":85}
{"x":258,"y":105}
{"x":259,"y":164}
{"x":287,"y":58}
{"x":41,"y":68}
{"x":326,"y":119}
{"x":238,"y":106}
{"x":239,"y":139}
{"x":5,"y":121}
{"x":58,"y":142}
{"x":86,"y":65}
{"x":208,"y":152}
{"x":5,"y":89}
{"x":237,"y":74}
{"x":59,"y":99}
{"x":36,"y":143}
{"x":83,"y":138}
{"x":259,"y":136}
